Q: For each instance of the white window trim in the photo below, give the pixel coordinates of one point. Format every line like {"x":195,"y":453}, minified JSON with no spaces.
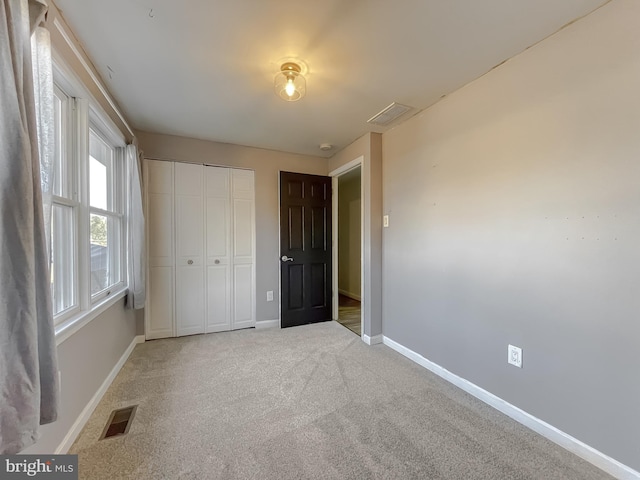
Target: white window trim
{"x":73,"y":86}
{"x":119,"y":201}
{"x":71,"y":200}
{"x":74,"y":309}
{"x":88,"y":112}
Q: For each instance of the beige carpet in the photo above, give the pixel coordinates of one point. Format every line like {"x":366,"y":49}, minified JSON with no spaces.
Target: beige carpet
{"x":311,"y":402}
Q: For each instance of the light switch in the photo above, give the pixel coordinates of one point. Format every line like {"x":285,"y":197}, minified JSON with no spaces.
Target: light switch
{"x":385,"y":221}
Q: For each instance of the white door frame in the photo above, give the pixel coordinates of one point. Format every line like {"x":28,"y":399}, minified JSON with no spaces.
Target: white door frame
{"x":335,"y":174}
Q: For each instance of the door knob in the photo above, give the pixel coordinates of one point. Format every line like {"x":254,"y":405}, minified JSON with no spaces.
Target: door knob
{"x":190,"y":262}
{"x":284,"y":258}
{"x":216,"y":261}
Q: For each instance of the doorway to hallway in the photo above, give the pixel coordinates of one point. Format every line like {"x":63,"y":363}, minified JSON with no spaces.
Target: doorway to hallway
{"x":348,"y":248}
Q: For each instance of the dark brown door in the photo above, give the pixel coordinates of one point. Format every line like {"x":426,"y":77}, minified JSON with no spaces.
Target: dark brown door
{"x":305,"y":248}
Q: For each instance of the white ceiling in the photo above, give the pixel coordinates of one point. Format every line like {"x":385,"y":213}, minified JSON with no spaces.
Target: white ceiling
{"x":205,"y":68}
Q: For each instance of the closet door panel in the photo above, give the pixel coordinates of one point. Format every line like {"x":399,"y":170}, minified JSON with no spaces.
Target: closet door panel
{"x":218,"y":228}
{"x":218,"y":245}
{"x":218,"y":182}
{"x":243,"y":239}
{"x":188,"y":179}
{"x":243,"y":184}
{"x":218,"y":299}
{"x":160,"y":302}
{"x":189,"y":214}
{"x":189,"y":231}
{"x":243,"y":230}
{"x":243,"y":297}
{"x":160,"y":228}
{"x":218,"y":274}
{"x":159,"y":320}
{"x":190,"y":300}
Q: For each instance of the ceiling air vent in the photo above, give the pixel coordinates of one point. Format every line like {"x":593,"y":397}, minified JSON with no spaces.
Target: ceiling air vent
{"x":389,"y":114}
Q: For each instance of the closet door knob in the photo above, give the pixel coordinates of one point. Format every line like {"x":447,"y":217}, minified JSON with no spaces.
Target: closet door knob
{"x":190,"y":262}
{"x":217,"y":262}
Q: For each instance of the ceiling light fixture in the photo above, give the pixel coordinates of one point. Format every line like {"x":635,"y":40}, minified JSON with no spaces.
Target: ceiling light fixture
{"x":290,"y":83}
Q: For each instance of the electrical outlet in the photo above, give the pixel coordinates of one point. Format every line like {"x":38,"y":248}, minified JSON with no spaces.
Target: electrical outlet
{"x":514,"y":356}
{"x":270,"y":296}
{"x":385,"y":221}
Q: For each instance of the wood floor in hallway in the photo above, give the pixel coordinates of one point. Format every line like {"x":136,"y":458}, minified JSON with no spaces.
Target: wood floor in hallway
{"x":349,"y":314}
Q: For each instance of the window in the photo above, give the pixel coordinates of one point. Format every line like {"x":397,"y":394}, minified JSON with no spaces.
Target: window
{"x":64,"y":214}
{"x":87,"y":218}
{"x":105,"y":222}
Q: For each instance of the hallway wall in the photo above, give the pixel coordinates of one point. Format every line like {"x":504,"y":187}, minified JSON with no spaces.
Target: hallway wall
{"x":349,"y":241}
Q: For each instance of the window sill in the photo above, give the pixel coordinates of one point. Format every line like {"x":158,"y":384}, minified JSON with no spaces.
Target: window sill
{"x":72,"y":325}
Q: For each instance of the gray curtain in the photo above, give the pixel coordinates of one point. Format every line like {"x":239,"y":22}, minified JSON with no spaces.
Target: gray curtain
{"x":28,"y":364}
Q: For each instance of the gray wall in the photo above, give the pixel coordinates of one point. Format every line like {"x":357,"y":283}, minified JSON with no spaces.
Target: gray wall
{"x":85,"y":360}
{"x":514,"y":210}
{"x":267,"y":164}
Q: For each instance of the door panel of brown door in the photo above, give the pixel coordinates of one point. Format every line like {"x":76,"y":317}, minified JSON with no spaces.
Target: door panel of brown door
{"x":305,"y":248}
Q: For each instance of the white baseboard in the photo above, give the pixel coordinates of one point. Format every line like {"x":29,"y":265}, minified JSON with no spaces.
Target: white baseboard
{"x":376,"y":339}
{"x":581,"y":449}
{"x":268,"y":323}
{"x":350,"y":295}
{"x":84,"y":416}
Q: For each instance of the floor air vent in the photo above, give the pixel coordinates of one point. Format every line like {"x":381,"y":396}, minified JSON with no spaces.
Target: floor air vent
{"x":119,"y":422}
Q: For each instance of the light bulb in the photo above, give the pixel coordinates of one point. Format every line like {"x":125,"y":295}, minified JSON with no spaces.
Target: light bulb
{"x":290,"y":88}
{"x":290,"y":84}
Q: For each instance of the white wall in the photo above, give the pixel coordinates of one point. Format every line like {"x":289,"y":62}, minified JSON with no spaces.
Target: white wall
{"x":349,"y":241}
{"x":514,"y":210}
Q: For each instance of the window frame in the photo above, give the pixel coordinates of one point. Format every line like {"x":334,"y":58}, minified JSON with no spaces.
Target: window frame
{"x":115,"y":181}
{"x":85,"y":113}
{"x":70,"y":200}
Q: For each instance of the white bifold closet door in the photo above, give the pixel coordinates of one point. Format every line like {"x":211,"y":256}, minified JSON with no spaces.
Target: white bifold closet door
{"x":218,"y":191}
{"x":201,"y":236}
{"x":243,"y":249}
{"x":189,"y":213}
{"x":159,"y":320}
{"x":230,"y":248}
